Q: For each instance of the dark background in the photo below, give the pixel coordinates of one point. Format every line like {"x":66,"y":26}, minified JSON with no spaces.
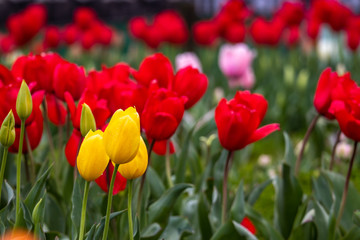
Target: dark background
{"x":119,"y":11}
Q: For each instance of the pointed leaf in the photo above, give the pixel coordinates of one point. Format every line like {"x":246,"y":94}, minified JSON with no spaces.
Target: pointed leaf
{"x":256,"y":192}
{"x":237,"y":210}
{"x":243,"y":231}
{"x":203,"y":216}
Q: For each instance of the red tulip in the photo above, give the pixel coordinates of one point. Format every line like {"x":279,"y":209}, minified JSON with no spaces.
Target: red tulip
{"x":189,"y":82}
{"x":235,"y":33}
{"x":238,"y":120}
{"x":292,"y":36}
{"x":104,"y":180}
{"x":52,"y":37}
{"x":248,"y":225}
{"x":160,"y":147}
{"x":155,"y":67}
{"x":68,"y":77}
{"x":292,"y":13}
{"x":6,"y":76}
{"x":72,"y":147}
{"x":7,"y":44}
{"x":137,"y":27}
{"x":162,"y":114}
{"x":205,"y":32}
{"x":347,"y":112}
{"x":84,"y":17}
{"x":71,"y":34}
{"x":267,"y":32}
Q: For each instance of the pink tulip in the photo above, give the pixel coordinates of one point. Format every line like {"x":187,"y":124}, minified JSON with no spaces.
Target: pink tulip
{"x":186,"y":59}
{"x":235,"y":63}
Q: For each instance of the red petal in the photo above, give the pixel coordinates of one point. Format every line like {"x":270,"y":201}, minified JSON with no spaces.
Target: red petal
{"x":262,"y":132}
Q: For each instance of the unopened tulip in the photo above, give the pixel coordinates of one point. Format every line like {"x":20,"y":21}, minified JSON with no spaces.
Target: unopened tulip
{"x":24,"y":102}
{"x":87,"y":120}
{"x":7,"y":130}
{"x":136,"y":167}
{"x":92,"y":159}
{"x":121,"y":137}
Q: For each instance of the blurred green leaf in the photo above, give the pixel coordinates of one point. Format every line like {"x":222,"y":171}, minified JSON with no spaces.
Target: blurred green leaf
{"x":353,"y":234}
{"x":203,"y":215}
{"x":257,"y":191}
{"x":356,"y":218}
{"x":160,"y":210}
{"x":54,"y":218}
{"x":76,"y":200}
{"x":100,"y":226}
{"x":227,"y":231}
{"x":37,"y":190}
{"x":237,"y":210}
{"x":9,"y":196}
{"x":243,"y":231}
{"x":151,"y":232}
{"x":322,"y":191}
{"x":288,"y":200}
{"x":182,"y":161}
{"x":321,"y":221}
{"x":290,"y":157}
{"x":304,"y":231}
{"x":156,"y":185}
{"x":177,"y":228}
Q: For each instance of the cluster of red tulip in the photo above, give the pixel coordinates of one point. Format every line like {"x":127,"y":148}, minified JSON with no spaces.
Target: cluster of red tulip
{"x":23,"y":27}
{"x":159,"y":95}
{"x":285,"y":25}
{"x":167,"y":26}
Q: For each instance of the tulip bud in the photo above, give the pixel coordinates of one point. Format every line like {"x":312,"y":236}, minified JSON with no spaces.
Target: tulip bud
{"x":7,"y":130}
{"x":87,"y":120}
{"x":37,"y":212}
{"x":136,"y":167}
{"x":24,"y":102}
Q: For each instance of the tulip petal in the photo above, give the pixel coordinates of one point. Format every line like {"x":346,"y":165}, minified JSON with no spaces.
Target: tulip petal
{"x":263,"y":132}
{"x":104,"y":180}
{"x":72,"y":147}
{"x":55,"y":110}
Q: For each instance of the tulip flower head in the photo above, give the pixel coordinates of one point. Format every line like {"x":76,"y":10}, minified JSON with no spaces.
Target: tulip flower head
{"x":7,"y":130}
{"x":238,"y":120}
{"x":92,"y":159}
{"x":24,"y":102}
{"x":136,"y":167}
{"x":87,"y":120}
{"x":121,"y":137}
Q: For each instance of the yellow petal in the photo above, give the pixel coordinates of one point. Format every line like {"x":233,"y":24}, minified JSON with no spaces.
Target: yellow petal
{"x":92,"y":159}
{"x":136,"y":167}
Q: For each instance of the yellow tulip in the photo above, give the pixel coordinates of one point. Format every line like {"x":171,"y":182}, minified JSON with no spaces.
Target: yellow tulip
{"x":136,"y":167}
{"x":92,"y":159}
{"x":121,"y":137}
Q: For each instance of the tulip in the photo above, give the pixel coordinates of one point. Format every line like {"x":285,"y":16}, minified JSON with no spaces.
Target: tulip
{"x":121,"y":136}
{"x":156,"y":67}
{"x":267,"y":32}
{"x":136,"y":167}
{"x":205,"y":32}
{"x":186,"y":59}
{"x":190,"y":83}
{"x":7,"y":138}
{"x":162,"y":114}
{"x":24,"y":102}
{"x":104,"y":180}
{"x":52,"y":37}
{"x":87,"y":120}
{"x":237,"y":121}
{"x":235,"y":63}
{"x":92,"y":158}
{"x":246,"y":222}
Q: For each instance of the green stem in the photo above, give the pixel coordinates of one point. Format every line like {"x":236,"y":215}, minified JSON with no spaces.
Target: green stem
{"x":3,"y":165}
{"x":131,"y":231}
{"x":167,"y":164}
{"x":226,"y":173}
{"x":334,"y":150}
{"x":83,"y":210}
{"x":18,"y":171}
{"x":346,"y":187}
{"x":108,"y":209}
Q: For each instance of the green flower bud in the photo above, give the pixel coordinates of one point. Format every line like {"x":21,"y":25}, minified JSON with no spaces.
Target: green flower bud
{"x":38,"y":212}
{"x":24,"y":102}
{"x":7,"y":130}
{"x":87,"y":120}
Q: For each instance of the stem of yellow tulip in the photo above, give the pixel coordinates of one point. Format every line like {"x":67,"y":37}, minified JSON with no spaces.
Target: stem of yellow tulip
{"x":108,"y":209}
{"x":334,"y":150}
{"x":3,"y":165}
{"x":131,"y":231}
{"x":83,"y":210}
{"x":346,"y":187}
{"x":305,"y":140}
{"x":167,"y":164}
{"x":226,"y":173}
{"x":142,"y":182}
{"x":18,"y":172}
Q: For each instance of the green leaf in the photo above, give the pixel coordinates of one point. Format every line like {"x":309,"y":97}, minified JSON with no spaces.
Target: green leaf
{"x":153,"y":231}
{"x":321,"y":221}
{"x":356,"y":218}
{"x":160,"y":210}
{"x":290,"y":157}
{"x":177,"y":228}
{"x":181,"y":163}
{"x":256,"y":192}
{"x":9,"y":196}
{"x":262,"y":225}
{"x":203,"y":216}
{"x":288,"y":200}
{"x":227,"y":231}
{"x":54,"y":218}
{"x":243,"y":231}
{"x":100,"y":226}
{"x":353,"y":234}
{"x":38,"y":190}
{"x":237,"y":210}
{"x":322,"y":191}
{"x":137,"y":229}
{"x":304,"y":231}
{"x":76,"y":200}
{"x":156,"y":185}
